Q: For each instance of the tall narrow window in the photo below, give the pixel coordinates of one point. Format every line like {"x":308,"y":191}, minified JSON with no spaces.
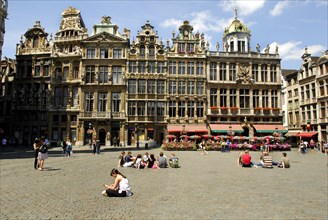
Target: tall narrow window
{"x":223,"y":72}
{"x":172,"y":68}
{"x":142,"y":67}
{"x":89,"y":101}
{"x":232,"y":72}
{"x":213,"y":72}
{"x":103,"y":74}
{"x":264,"y":73}
{"x":200,"y":88}
{"x":181,"y":68}
{"x":191,"y":87}
{"x":91,"y":53}
{"x":132,"y":108}
{"x":213,"y":97}
{"x":233,"y":97}
{"x":117,"y":53}
{"x":151,"y":108}
{"x":102,"y":101}
{"x":141,"y":108}
{"x":37,"y":71}
{"x":66,"y":72}
{"x":273,"y":73}
{"x":274,"y":99}
{"x":200,"y":109}
{"x":151,"y":67}
{"x":58,"y":96}
{"x":132,"y":86}
{"x":255,"y":72}
{"x":160,"y":87}
{"x":160,"y":67}
{"x":172,"y":108}
{"x":151,"y":51}
{"x":190,"y":48}
{"x":265,"y":98}
{"x":172,"y":87}
{"x":151,"y":87}
{"x":223,"y":97}
{"x":191,"y":109}
{"x":116,"y":75}
{"x":160,"y":109}
{"x":181,"y":47}
{"x":90,"y":74}
{"x":116,"y":101}
{"x":191,"y":68}
{"x":181,"y":87}
{"x":142,"y":50}
{"x":244,"y":98}
{"x":103,"y":53}
{"x":182,"y":109}
{"x":199,"y":68}
{"x":65,"y":96}
{"x":132,"y":67}
{"x":75,"y":95}
{"x":256,"y":98}
{"x":142,"y":86}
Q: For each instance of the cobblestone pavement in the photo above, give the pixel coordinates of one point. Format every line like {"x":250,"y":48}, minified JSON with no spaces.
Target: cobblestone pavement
{"x":205,"y":187}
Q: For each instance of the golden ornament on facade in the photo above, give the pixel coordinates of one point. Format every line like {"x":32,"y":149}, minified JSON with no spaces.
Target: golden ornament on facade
{"x":70,"y":10}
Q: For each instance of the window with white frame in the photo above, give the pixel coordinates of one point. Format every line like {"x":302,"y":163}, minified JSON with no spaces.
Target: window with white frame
{"x":191,"y":87}
{"x":199,"y":68}
{"x":116,"y":101}
{"x":200,"y":109}
{"x":190,"y":68}
{"x":102,"y":101}
{"x":103,"y":53}
{"x":232,"y":71}
{"x":172,"y":108}
{"x":213,"y":97}
{"x":181,"y":87}
{"x":90,"y":74}
{"x":89,"y":101}
{"x":117,"y":53}
{"x":172,"y":67}
{"x":103,"y":74}
{"x":182,"y":109}
{"x":151,"y":87}
{"x":160,"y":87}
{"x":132,"y":67}
{"x":141,"y":108}
{"x":244,"y":98}
{"x":132,"y":86}
{"x":233,"y":97}
{"x":117,"y":75}
{"x":213,"y":71}
{"x":160,"y":67}
{"x":223,"y":72}
{"x":200,"y":88}
{"x":151,"y":67}
{"x":191,"y":109}
{"x":151,"y":108}
{"x":181,"y":68}
{"x":142,"y":86}
{"x":91,"y":53}
{"x":265,"y":98}
{"x":160,"y":109}
{"x":132,"y":108}
{"x":172,"y":87}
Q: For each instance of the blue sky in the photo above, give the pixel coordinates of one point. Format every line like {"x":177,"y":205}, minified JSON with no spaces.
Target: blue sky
{"x":291,"y":24}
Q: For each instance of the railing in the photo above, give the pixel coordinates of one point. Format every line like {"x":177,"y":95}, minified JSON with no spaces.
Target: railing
{"x":96,"y":114}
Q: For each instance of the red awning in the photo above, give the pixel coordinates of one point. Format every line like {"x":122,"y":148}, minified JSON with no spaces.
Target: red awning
{"x":196,"y":128}
{"x":188,"y":128}
{"x":269,"y":128}
{"x":307,"y":134}
{"x":225,"y":127}
{"x":292,"y":133}
{"x":174,"y":128}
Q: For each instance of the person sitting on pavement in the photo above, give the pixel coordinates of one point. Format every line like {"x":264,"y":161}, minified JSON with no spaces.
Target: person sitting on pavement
{"x":120,"y":187}
{"x":139,"y":162}
{"x":129,"y":160}
{"x":151,"y":161}
{"x":162,"y":161}
{"x":145,"y":157}
{"x":246,"y":159}
{"x":267,"y":160}
{"x":284,"y":161}
{"x":174,"y":161}
{"x":121,"y":159}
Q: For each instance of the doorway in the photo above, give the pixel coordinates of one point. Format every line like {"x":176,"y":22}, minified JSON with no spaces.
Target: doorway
{"x":102,"y":136}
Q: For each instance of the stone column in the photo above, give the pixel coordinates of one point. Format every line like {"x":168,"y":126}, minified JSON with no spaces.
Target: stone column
{"x":260,"y":73}
{"x":269,"y":73}
{"x":227,"y":71}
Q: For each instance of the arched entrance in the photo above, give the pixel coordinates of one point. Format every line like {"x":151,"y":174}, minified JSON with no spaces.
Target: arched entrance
{"x":102,"y":136}
{"x":246,"y":131}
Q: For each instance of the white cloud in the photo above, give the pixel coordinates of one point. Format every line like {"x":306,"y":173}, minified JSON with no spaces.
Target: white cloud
{"x":172,"y":22}
{"x":292,"y":50}
{"x":244,"y":7}
{"x":202,"y":21}
{"x":278,"y":8}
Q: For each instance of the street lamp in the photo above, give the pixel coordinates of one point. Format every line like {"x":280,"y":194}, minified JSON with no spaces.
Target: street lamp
{"x":137,"y":131}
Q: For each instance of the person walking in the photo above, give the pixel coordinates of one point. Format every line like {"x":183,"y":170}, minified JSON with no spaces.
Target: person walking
{"x":36,"y":147}
{"x":42,"y":155}
{"x":64,"y":147}
{"x":98,"y":146}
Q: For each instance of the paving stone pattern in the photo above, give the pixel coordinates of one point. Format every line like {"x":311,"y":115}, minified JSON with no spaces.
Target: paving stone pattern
{"x":205,"y":187}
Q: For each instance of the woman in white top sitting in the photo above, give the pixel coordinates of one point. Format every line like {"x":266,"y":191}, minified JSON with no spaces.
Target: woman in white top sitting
{"x":120,"y":187}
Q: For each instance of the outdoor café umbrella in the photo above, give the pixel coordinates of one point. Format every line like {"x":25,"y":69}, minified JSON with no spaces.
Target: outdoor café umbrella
{"x":170,"y":136}
{"x":194,"y":137}
{"x":207,"y":136}
{"x":185,"y":137}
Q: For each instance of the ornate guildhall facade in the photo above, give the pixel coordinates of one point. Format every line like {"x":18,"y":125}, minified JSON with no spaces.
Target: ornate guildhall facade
{"x":104,"y":85}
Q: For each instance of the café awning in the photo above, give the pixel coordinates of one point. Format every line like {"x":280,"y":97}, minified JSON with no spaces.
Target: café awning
{"x":307,"y":134}
{"x":188,"y":128}
{"x":222,"y":128}
{"x":292,"y":133}
{"x":269,"y":128}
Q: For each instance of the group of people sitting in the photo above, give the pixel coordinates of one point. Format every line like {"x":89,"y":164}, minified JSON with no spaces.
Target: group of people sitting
{"x":147,"y":161}
{"x":265,"y":161}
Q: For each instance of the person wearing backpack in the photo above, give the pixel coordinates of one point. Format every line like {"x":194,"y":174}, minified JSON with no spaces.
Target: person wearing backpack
{"x":174,"y":161}
{"x":43,"y":154}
